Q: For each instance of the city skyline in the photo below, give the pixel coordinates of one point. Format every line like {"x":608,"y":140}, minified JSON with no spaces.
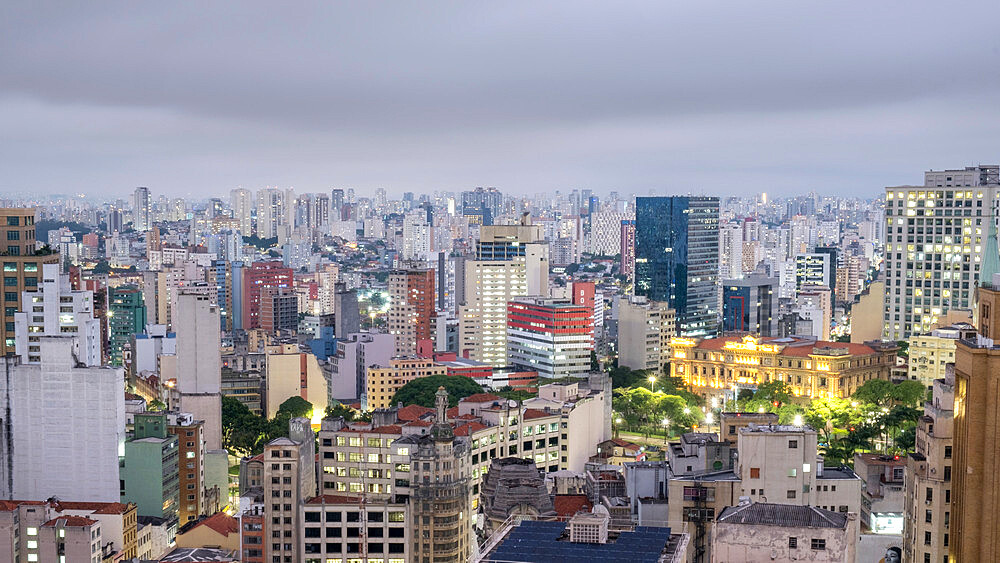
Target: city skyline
{"x":528,"y":100}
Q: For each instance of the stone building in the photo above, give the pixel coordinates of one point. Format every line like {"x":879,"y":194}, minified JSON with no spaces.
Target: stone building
{"x":514,"y":487}
{"x":779,"y":532}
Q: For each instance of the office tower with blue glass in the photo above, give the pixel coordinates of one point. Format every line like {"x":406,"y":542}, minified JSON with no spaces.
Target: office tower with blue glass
{"x":750,"y":305}
{"x":677,"y":258}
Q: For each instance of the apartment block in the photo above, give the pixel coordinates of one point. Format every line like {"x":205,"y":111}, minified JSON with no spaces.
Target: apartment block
{"x":935,"y":236}
{"x":644,"y":332}
{"x":383,"y":382}
{"x":347,"y":528}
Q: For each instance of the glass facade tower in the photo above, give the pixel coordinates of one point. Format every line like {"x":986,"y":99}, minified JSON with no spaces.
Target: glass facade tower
{"x":677,"y":259}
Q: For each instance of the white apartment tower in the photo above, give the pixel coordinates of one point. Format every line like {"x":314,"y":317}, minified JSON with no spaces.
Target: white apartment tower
{"x":934,"y":244}
{"x":141,"y":218}
{"x":270,"y":210}
{"x":199,"y":365}
{"x":63,"y":429}
{"x":241,"y":201}
{"x":57,"y":310}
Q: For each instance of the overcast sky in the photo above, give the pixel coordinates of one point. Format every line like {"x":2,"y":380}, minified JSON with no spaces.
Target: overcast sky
{"x":673,"y":96}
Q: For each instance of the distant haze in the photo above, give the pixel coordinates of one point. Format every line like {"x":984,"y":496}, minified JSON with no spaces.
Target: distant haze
{"x":721,"y":97}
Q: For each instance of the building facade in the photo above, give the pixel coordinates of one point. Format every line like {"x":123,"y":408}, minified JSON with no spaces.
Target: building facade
{"x":811,"y":368}
{"x":644,"y":332}
{"x":411,"y":308}
{"x":750,"y":305}
{"x":935,"y":236}
{"x":551,"y":336}
{"x":677,"y":258}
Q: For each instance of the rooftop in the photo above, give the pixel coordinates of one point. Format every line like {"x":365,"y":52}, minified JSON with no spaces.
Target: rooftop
{"x":548,"y":542}
{"x":790,"y":345}
{"x":787,"y":515}
{"x":220,"y":522}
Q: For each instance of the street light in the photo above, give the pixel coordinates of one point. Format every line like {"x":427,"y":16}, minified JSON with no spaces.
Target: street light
{"x":666,"y":429}
{"x":797,"y":421}
{"x":652,"y":380}
{"x":687,"y":410}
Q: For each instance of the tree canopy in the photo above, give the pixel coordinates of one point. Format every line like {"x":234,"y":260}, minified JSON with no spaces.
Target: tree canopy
{"x":421,"y":391}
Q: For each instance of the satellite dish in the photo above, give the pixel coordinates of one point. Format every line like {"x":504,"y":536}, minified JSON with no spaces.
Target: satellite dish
{"x":511,"y":403}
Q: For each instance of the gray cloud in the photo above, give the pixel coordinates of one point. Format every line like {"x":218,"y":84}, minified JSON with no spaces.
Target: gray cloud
{"x":715,"y":97}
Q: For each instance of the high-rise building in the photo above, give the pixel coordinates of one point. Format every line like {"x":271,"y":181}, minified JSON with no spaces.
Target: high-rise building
{"x":52,"y":446}
{"x":975,"y":522}
{"x":270,"y":212}
{"x":241,"y":202}
{"x":278,"y":309}
{"x":441,"y":496}
{"x":644,"y":332}
{"x":141,"y":210}
{"x":191,"y":499}
{"x":484,"y":204}
{"x":256,"y":278}
{"x":817,"y":268}
{"x":55,"y":309}
{"x":934,"y":245}
{"x":411,"y":308}
{"x":511,"y":261}
{"x":22,"y":265}
{"x":126,"y":318}
{"x":150,"y":476}
{"x":750,"y":305}
{"x":199,"y":364}
{"x":289,"y":480}
{"x":731,"y":251}
{"x":927,"y":482}
{"x":551,"y":336}
{"x":677,"y":258}
{"x":627,"y":250}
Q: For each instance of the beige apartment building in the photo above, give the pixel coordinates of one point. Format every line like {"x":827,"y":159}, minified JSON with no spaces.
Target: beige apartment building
{"x":929,"y":354}
{"x":644,"y":332}
{"x":289,"y":479}
{"x":927,"y":506}
{"x":22,"y":266}
{"x":383,"y":382}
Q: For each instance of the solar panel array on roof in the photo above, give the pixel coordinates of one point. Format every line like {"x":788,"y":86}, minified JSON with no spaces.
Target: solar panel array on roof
{"x":535,"y":542}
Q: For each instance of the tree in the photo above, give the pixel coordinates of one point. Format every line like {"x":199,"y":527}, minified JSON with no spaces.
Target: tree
{"x":421,"y":391}
{"x":338,"y":409}
{"x":773,"y":392}
{"x":157,"y":405}
{"x":878,"y":392}
{"x":595,"y":364}
{"x":295,"y":407}
{"x":241,"y":429}
{"x":909,"y":393}
{"x":102,"y":267}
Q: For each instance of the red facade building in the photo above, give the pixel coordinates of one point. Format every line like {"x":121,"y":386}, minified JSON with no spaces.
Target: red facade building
{"x":256,"y":278}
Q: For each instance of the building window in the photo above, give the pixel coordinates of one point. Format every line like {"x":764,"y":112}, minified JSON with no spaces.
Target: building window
{"x":927,"y":538}
{"x":818,"y":544}
{"x":790,"y":493}
{"x":755,"y":473}
{"x":793,"y":542}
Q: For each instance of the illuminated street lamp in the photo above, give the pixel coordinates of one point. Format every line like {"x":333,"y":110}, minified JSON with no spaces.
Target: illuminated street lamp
{"x":666,"y":429}
{"x":652,"y":380}
{"x":797,"y":421}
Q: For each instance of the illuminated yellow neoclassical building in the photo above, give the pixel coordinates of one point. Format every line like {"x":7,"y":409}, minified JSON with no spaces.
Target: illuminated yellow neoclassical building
{"x":811,"y":368}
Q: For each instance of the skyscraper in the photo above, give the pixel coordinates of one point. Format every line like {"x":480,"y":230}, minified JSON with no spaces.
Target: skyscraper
{"x":934,"y":245}
{"x":411,"y":308}
{"x":750,"y":305}
{"x":241,"y":201}
{"x":677,"y":258}
{"x":628,"y":247}
{"x":21,"y":266}
{"x":199,"y":367}
{"x":140,"y":210}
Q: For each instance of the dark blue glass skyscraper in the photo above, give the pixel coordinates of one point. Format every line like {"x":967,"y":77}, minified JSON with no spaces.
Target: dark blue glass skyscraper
{"x":677,"y":258}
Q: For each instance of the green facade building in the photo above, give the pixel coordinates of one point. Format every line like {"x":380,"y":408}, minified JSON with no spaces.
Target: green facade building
{"x":126,"y":318}
{"x":149,"y":470}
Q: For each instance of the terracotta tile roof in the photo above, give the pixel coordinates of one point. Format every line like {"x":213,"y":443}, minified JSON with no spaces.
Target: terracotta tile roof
{"x":482,"y":398}
{"x":568,"y":505}
{"x":412,"y":412}
{"x":94,"y":507}
{"x":452,"y":412}
{"x":221,"y":523}
{"x":468,"y":429}
{"x":9,"y":505}
{"x":530,"y":414}
{"x":465,"y":417}
{"x":623,"y":444}
{"x":74,"y":521}
{"x":418,"y":423}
